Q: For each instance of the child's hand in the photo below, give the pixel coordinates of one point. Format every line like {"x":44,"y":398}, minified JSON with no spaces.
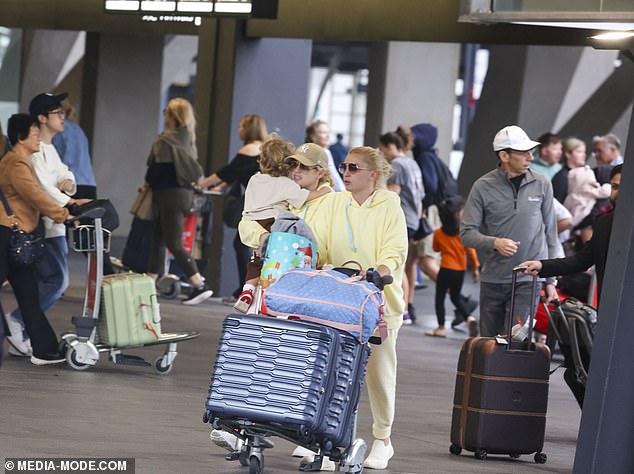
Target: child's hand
{"x":476,"y":275}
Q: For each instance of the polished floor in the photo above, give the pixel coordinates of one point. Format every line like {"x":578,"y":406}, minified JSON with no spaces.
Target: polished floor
{"x":129,"y":412}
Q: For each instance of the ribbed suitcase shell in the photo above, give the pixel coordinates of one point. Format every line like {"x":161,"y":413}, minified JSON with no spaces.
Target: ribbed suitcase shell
{"x":297,"y":376}
{"x":350,"y":374}
{"x":501,"y":406}
{"x":273,"y":371}
{"x":129,"y":313}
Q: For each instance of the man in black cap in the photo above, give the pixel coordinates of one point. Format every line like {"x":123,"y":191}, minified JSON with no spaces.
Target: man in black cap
{"x":59,"y":183}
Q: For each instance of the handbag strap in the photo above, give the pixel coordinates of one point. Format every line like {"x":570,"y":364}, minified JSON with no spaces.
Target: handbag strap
{"x":7,"y":208}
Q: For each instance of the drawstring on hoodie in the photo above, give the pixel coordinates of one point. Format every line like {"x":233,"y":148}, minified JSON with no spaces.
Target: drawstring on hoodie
{"x":353,"y":247}
{"x":349,"y":227}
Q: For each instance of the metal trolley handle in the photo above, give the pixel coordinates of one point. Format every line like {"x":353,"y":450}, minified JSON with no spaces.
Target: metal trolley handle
{"x":84,"y":239}
{"x":533,"y":305}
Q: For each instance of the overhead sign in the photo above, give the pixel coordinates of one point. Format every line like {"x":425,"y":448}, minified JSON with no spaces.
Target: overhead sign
{"x":198,"y":7}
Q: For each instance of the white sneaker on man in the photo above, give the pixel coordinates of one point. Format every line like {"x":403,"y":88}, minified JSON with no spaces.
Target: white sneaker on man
{"x":226,"y":440}
{"x":379,"y":456}
{"x":16,"y":353}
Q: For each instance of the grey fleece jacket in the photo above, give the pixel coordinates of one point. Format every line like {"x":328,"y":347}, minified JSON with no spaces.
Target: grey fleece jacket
{"x":494,"y":209}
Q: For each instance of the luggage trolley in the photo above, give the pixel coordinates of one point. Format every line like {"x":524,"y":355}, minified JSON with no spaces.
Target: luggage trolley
{"x":341,"y":444}
{"x":349,"y":455}
{"x":82,"y":347}
{"x":170,"y":285}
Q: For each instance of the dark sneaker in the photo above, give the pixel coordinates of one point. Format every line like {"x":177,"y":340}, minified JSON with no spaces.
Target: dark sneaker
{"x":46,"y":359}
{"x":470,"y":305}
{"x":458,"y":319}
{"x":198,"y":296}
{"x":412,"y":312}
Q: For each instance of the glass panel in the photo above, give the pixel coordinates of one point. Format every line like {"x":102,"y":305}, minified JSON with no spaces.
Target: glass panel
{"x":562,"y":5}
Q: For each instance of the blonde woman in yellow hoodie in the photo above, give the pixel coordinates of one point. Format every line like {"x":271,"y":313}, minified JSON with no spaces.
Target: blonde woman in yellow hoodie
{"x":366,"y":224}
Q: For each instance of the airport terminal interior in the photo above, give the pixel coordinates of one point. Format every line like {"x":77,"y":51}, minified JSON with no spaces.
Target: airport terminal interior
{"x":363,"y":68}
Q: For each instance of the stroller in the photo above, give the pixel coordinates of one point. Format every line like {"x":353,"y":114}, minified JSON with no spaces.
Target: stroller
{"x":574,"y":324}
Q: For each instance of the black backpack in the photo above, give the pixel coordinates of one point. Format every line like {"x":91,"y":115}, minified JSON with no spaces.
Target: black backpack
{"x":447,"y":184}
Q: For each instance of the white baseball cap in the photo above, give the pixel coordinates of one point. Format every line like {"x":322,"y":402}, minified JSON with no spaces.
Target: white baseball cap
{"x":513,"y":137}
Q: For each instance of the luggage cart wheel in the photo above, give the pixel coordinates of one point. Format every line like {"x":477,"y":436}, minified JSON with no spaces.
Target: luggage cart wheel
{"x":169,"y":286}
{"x":256,"y":465}
{"x":455,"y":449}
{"x":161,"y":366}
{"x":71,"y":358}
{"x":540,"y":458}
{"x":480,"y":454}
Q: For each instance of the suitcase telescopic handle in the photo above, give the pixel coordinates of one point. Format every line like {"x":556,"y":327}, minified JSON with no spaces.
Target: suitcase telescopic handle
{"x":532,"y":308}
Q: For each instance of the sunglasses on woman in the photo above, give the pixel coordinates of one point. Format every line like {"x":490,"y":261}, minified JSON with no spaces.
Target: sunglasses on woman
{"x":293,"y":163}
{"x":352,"y":167}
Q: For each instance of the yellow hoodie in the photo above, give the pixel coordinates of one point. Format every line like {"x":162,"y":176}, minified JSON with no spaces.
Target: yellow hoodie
{"x":373,"y":233}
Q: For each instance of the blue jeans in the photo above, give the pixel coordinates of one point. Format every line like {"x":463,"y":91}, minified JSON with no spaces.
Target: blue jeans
{"x":495,"y":304}
{"x":52,"y":274}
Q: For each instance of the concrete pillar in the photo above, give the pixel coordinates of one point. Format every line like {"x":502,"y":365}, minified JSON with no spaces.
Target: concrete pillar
{"x":126,"y":91}
{"x":411,"y":83}
{"x":607,"y":423}
{"x":499,"y":105}
{"x":44,"y":55}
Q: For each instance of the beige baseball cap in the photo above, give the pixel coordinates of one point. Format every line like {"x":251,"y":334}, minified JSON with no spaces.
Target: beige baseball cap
{"x":310,"y":154}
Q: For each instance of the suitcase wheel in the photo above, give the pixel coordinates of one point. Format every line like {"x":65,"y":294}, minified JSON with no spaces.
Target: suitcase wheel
{"x":455,"y":449}
{"x":255,"y":465}
{"x":480,"y":454}
{"x":515,"y":455}
{"x":540,"y":458}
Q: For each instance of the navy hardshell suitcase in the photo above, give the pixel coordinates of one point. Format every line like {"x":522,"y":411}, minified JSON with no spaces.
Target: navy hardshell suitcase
{"x":501,"y":395}
{"x":293,"y":379}
{"x":272,"y":370}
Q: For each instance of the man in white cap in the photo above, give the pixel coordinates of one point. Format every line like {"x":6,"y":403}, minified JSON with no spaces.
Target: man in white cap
{"x":509,"y":218}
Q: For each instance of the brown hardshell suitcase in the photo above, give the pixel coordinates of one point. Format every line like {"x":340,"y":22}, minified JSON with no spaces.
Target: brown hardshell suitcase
{"x":501,"y":395}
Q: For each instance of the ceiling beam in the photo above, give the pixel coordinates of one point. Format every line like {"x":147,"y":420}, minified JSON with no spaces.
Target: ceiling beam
{"x":361,"y":20}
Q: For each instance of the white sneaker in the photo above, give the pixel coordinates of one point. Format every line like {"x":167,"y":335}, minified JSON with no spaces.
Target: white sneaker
{"x":226,"y":440}
{"x":16,"y":353}
{"x":301,"y":452}
{"x":16,"y":338}
{"x":379,"y":456}
{"x":326,"y":463}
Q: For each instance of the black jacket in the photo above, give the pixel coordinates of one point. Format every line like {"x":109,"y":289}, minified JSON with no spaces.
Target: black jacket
{"x":594,"y":252}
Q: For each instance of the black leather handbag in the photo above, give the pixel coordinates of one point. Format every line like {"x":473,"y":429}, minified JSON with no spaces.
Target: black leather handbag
{"x":233,"y":206}
{"x":424,"y":229}
{"x":25,"y":248}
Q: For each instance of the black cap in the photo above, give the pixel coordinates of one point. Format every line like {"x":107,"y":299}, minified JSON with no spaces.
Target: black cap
{"x":43,"y":103}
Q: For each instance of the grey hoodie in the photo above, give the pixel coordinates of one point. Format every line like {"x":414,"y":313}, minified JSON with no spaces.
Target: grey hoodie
{"x":494,"y":209}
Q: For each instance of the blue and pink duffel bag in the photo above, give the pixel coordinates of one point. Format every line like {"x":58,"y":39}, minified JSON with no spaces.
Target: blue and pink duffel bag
{"x":328,"y":297}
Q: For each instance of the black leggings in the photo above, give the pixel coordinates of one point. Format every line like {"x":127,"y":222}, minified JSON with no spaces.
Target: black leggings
{"x":449,"y":280}
{"x":172,"y":204}
{"x":23,"y":281}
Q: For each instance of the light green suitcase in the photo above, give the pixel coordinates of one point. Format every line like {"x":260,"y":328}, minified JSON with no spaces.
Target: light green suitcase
{"x":129,"y":314}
